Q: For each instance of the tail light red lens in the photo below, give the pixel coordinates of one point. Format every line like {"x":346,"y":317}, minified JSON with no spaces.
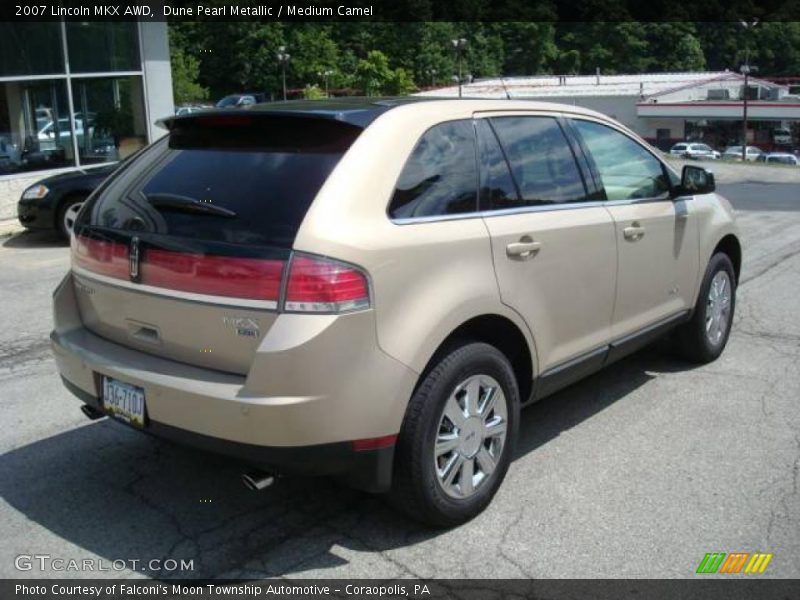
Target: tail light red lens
{"x":100,"y":256}
{"x":315,"y":284}
{"x":250,"y":278}
{"x":323,"y":285}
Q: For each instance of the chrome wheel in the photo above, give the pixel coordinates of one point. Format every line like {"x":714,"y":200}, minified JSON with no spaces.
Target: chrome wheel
{"x":718,"y":307}
{"x":70,"y":215}
{"x":471,"y":436}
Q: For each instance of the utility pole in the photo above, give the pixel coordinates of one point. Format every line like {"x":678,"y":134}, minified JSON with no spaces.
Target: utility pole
{"x":746,"y":69}
{"x":283,"y":59}
{"x":460,"y":45}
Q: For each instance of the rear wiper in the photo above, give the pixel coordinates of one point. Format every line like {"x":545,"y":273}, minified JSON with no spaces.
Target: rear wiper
{"x":178,"y":203}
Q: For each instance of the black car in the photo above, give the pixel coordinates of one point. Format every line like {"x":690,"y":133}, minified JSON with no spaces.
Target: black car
{"x":54,"y":202}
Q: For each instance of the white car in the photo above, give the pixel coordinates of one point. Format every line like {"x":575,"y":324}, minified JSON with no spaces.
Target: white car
{"x":735,"y":153}
{"x":783,"y":158}
{"x":694,"y":150}
{"x":47,"y":134}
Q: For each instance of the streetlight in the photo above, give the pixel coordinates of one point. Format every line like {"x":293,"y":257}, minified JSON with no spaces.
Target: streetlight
{"x":460,"y":45}
{"x":432,"y":73}
{"x":326,"y":73}
{"x":283,"y":59}
{"x":746,"y":69}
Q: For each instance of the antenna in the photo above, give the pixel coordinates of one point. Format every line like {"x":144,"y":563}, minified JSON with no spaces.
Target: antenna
{"x":505,"y":89}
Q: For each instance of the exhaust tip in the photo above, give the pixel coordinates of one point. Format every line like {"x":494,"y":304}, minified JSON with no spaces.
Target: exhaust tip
{"x":92,"y":413}
{"x":257,"y":480}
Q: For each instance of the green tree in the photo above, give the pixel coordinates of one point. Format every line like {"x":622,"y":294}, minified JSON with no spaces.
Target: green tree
{"x":400,"y":83}
{"x":313,"y":92}
{"x":185,"y":73}
{"x":674,"y":46}
{"x":528,"y":48}
{"x":373,"y":73}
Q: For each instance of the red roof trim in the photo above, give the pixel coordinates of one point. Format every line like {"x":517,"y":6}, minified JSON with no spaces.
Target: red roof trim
{"x":737,"y":104}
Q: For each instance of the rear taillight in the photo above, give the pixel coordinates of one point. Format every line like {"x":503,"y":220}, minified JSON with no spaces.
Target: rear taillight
{"x":103,"y":257}
{"x":323,"y":285}
{"x":250,"y":278}
{"x":313,"y":284}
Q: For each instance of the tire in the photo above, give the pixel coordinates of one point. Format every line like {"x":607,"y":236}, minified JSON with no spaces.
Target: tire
{"x":419,"y":487}
{"x":67,"y":212}
{"x":694,"y":340}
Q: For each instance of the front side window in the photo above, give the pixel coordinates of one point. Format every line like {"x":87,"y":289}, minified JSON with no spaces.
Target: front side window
{"x":627,"y":170}
{"x":440,"y":176}
{"x":541,"y":160}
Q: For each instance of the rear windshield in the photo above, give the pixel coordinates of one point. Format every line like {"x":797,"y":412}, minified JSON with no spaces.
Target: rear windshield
{"x":221,"y":178}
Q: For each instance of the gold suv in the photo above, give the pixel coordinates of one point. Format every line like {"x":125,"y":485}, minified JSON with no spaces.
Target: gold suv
{"x":372,"y":289}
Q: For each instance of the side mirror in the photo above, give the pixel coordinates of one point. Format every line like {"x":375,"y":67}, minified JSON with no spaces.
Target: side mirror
{"x":696,"y":180}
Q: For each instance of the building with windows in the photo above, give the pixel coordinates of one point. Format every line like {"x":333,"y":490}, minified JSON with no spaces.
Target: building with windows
{"x":77,"y":94}
{"x":666,"y":108}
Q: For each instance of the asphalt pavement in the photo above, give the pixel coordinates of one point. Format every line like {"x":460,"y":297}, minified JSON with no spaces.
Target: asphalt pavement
{"x":638,"y":471}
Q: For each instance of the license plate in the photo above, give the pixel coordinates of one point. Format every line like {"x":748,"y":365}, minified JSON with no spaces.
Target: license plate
{"x":124,"y":401}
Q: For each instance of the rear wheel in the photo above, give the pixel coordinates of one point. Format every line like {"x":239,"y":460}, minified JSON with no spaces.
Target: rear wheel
{"x":704,"y":338}
{"x":67,"y":215}
{"x":456,"y":442}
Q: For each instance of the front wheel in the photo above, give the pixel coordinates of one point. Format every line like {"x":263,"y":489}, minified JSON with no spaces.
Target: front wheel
{"x":456,"y":442}
{"x":704,"y":337}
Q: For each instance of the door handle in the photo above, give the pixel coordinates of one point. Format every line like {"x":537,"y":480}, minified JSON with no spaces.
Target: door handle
{"x":524,"y":249}
{"x":634,"y":232}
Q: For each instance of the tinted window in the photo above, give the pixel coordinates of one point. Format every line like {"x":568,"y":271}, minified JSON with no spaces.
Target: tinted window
{"x":627,"y":170}
{"x":541,"y":160}
{"x":497,"y":186}
{"x":238,"y":180}
{"x":95,"y":47}
{"x":30,"y":49}
{"x":440,"y":176}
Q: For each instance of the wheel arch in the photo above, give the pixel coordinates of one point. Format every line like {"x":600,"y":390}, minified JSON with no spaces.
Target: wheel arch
{"x":730,"y":245}
{"x":502,"y":333}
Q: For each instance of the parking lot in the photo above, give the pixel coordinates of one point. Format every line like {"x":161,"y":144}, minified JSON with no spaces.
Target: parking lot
{"x":637,"y":471}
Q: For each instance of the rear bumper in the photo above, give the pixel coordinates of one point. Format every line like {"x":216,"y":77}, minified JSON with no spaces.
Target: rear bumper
{"x":304,"y":401}
{"x":368,"y":470}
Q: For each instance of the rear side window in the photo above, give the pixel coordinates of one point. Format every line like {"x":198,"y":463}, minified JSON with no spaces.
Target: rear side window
{"x":541,"y":160}
{"x":238,"y":180}
{"x":627,"y":170}
{"x":440,"y":176}
{"x":498,"y":190}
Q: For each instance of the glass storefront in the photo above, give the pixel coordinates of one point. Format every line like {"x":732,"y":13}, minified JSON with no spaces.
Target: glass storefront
{"x":28,"y":49}
{"x":112,"y":117}
{"x":37,"y":88}
{"x":35,"y":131}
{"x":102,"y":47}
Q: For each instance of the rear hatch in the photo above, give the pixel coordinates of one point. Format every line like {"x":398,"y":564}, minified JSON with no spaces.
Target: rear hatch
{"x":182,"y":253}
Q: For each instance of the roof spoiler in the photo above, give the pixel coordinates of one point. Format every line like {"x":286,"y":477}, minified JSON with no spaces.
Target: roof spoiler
{"x":242,"y":115}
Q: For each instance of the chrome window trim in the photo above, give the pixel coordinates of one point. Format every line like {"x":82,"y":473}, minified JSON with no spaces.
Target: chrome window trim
{"x":485,"y":214}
